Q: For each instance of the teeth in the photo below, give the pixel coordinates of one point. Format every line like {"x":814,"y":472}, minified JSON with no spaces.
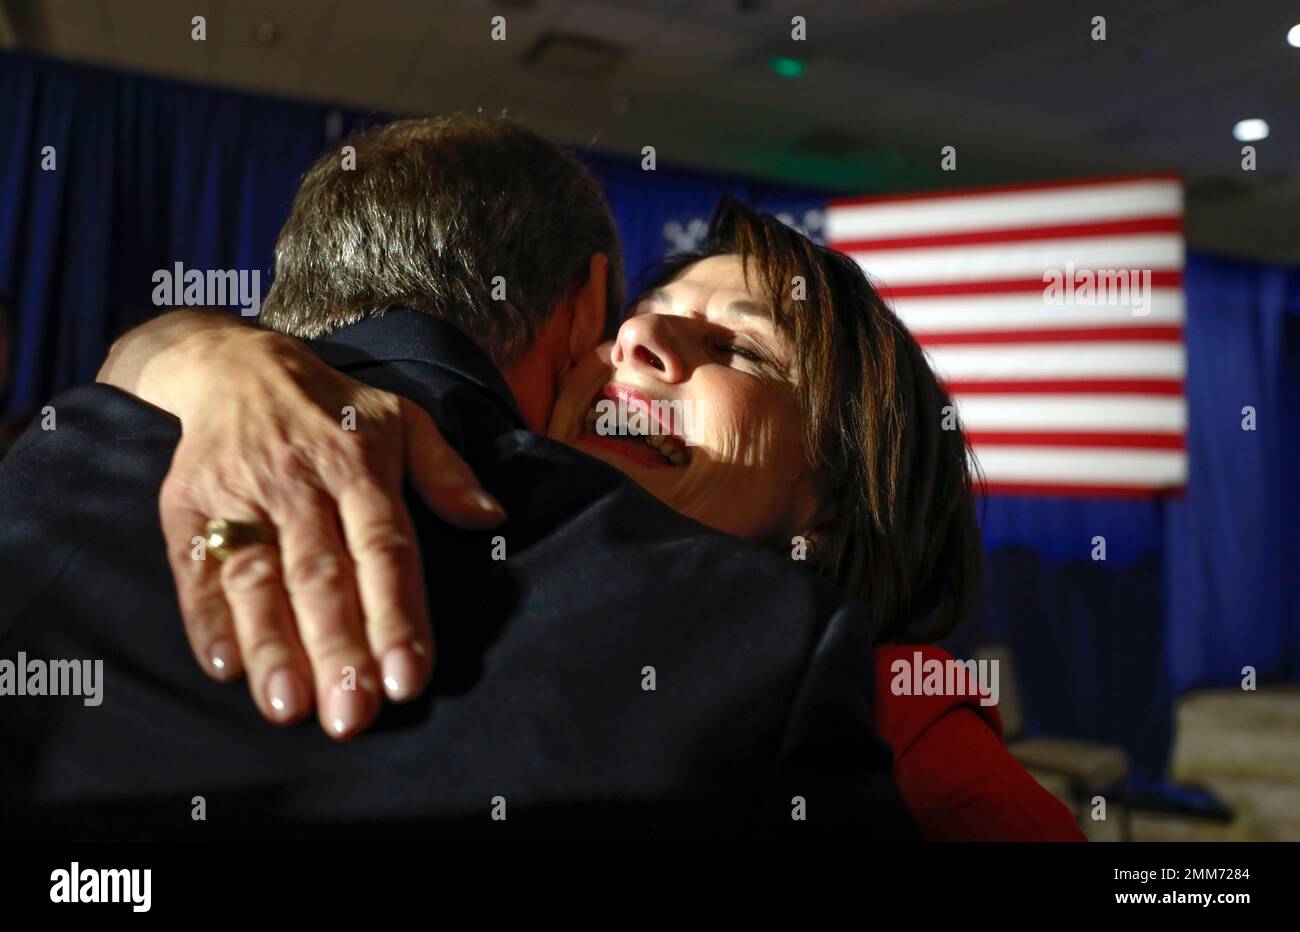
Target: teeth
{"x":666,"y":446}
{"x":668,"y":449}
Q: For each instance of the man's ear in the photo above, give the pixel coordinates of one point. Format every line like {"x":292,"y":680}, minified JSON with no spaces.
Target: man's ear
{"x":588,"y":324}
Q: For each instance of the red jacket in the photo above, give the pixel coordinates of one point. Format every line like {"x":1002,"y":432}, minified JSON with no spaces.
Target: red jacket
{"x":955,"y":774}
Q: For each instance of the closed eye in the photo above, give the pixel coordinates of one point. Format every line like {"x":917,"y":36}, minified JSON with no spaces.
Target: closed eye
{"x":742,"y":352}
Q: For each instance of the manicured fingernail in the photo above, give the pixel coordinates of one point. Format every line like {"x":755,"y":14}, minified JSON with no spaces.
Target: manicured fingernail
{"x":287,"y":694}
{"x":345,"y":711}
{"x":224,"y":657}
{"x":401,"y":673}
{"x":480,"y":500}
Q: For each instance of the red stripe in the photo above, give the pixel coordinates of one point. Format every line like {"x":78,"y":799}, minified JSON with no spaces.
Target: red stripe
{"x":1090,"y":439}
{"x":1015,"y":234}
{"x":1095,"y":181}
{"x":1079,"y":490}
{"x":1160,"y":278}
{"x":1171,"y":333}
{"x":1065,"y":387}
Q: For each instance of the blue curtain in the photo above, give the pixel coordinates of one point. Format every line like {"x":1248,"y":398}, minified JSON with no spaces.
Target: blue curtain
{"x":146,"y":174}
{"x":151,"y":172}
{"x":1087,"y":636}
{"x":1232,"y":546}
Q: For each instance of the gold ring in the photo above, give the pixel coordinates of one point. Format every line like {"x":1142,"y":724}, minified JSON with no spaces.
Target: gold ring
{"x":224,"y":537}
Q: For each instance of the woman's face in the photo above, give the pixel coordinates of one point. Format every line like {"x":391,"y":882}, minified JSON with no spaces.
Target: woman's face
{"x":694,"y":400}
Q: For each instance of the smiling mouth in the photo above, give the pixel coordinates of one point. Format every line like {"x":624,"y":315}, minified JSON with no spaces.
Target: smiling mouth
{"x":627,"y":417}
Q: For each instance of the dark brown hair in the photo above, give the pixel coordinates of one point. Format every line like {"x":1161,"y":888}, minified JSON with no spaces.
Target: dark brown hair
{"x":432,"y":212}
{"x":897,"y":526}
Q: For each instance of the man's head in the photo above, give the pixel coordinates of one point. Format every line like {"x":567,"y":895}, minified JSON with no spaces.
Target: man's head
{"x":472,"y":219}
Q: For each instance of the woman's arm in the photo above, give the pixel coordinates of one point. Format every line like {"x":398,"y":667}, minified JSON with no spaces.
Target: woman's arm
{"x":961,"y":783}
{"x":263,"y":440}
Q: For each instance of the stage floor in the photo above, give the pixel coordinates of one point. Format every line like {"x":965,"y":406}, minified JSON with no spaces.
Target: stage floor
{"x":1242,"y":746}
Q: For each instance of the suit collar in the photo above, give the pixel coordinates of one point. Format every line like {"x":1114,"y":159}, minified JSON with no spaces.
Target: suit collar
{"x":405,"y":335}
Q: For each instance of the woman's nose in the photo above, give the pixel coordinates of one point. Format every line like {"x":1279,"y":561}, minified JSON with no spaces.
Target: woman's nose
{"x":646,"y":343}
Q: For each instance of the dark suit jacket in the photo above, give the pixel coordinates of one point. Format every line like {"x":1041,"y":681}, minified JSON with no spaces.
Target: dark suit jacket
{"x":762,"y":673}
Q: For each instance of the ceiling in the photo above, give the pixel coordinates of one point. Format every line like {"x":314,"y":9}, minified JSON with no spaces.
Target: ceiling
{"x":1019,"y":87}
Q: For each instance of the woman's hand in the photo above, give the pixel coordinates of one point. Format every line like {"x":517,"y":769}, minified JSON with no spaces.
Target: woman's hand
{"x":337,"y":604}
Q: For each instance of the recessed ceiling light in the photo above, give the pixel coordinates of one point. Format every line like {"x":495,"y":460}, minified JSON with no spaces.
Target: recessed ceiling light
{"x":1293,"y":36}
{"x":1250,"y":130}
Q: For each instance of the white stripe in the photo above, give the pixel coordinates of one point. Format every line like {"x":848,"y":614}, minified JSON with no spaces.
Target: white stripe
{"x":1086,"y":466}
{"x":1074,"y":360}
{"x":1010,"y":210}
{"x":895,"y":267}
{"x":1027,"y":311}
{"x":1136,"y":413}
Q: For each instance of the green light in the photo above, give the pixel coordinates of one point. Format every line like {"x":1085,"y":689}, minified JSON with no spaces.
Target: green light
{"x":788,"y":67}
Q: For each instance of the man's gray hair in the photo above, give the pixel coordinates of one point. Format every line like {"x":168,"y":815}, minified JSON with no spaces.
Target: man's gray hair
{"x":472,"y":219}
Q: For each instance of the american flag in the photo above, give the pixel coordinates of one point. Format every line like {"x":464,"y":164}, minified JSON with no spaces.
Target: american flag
{"x":1054,"y":313}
